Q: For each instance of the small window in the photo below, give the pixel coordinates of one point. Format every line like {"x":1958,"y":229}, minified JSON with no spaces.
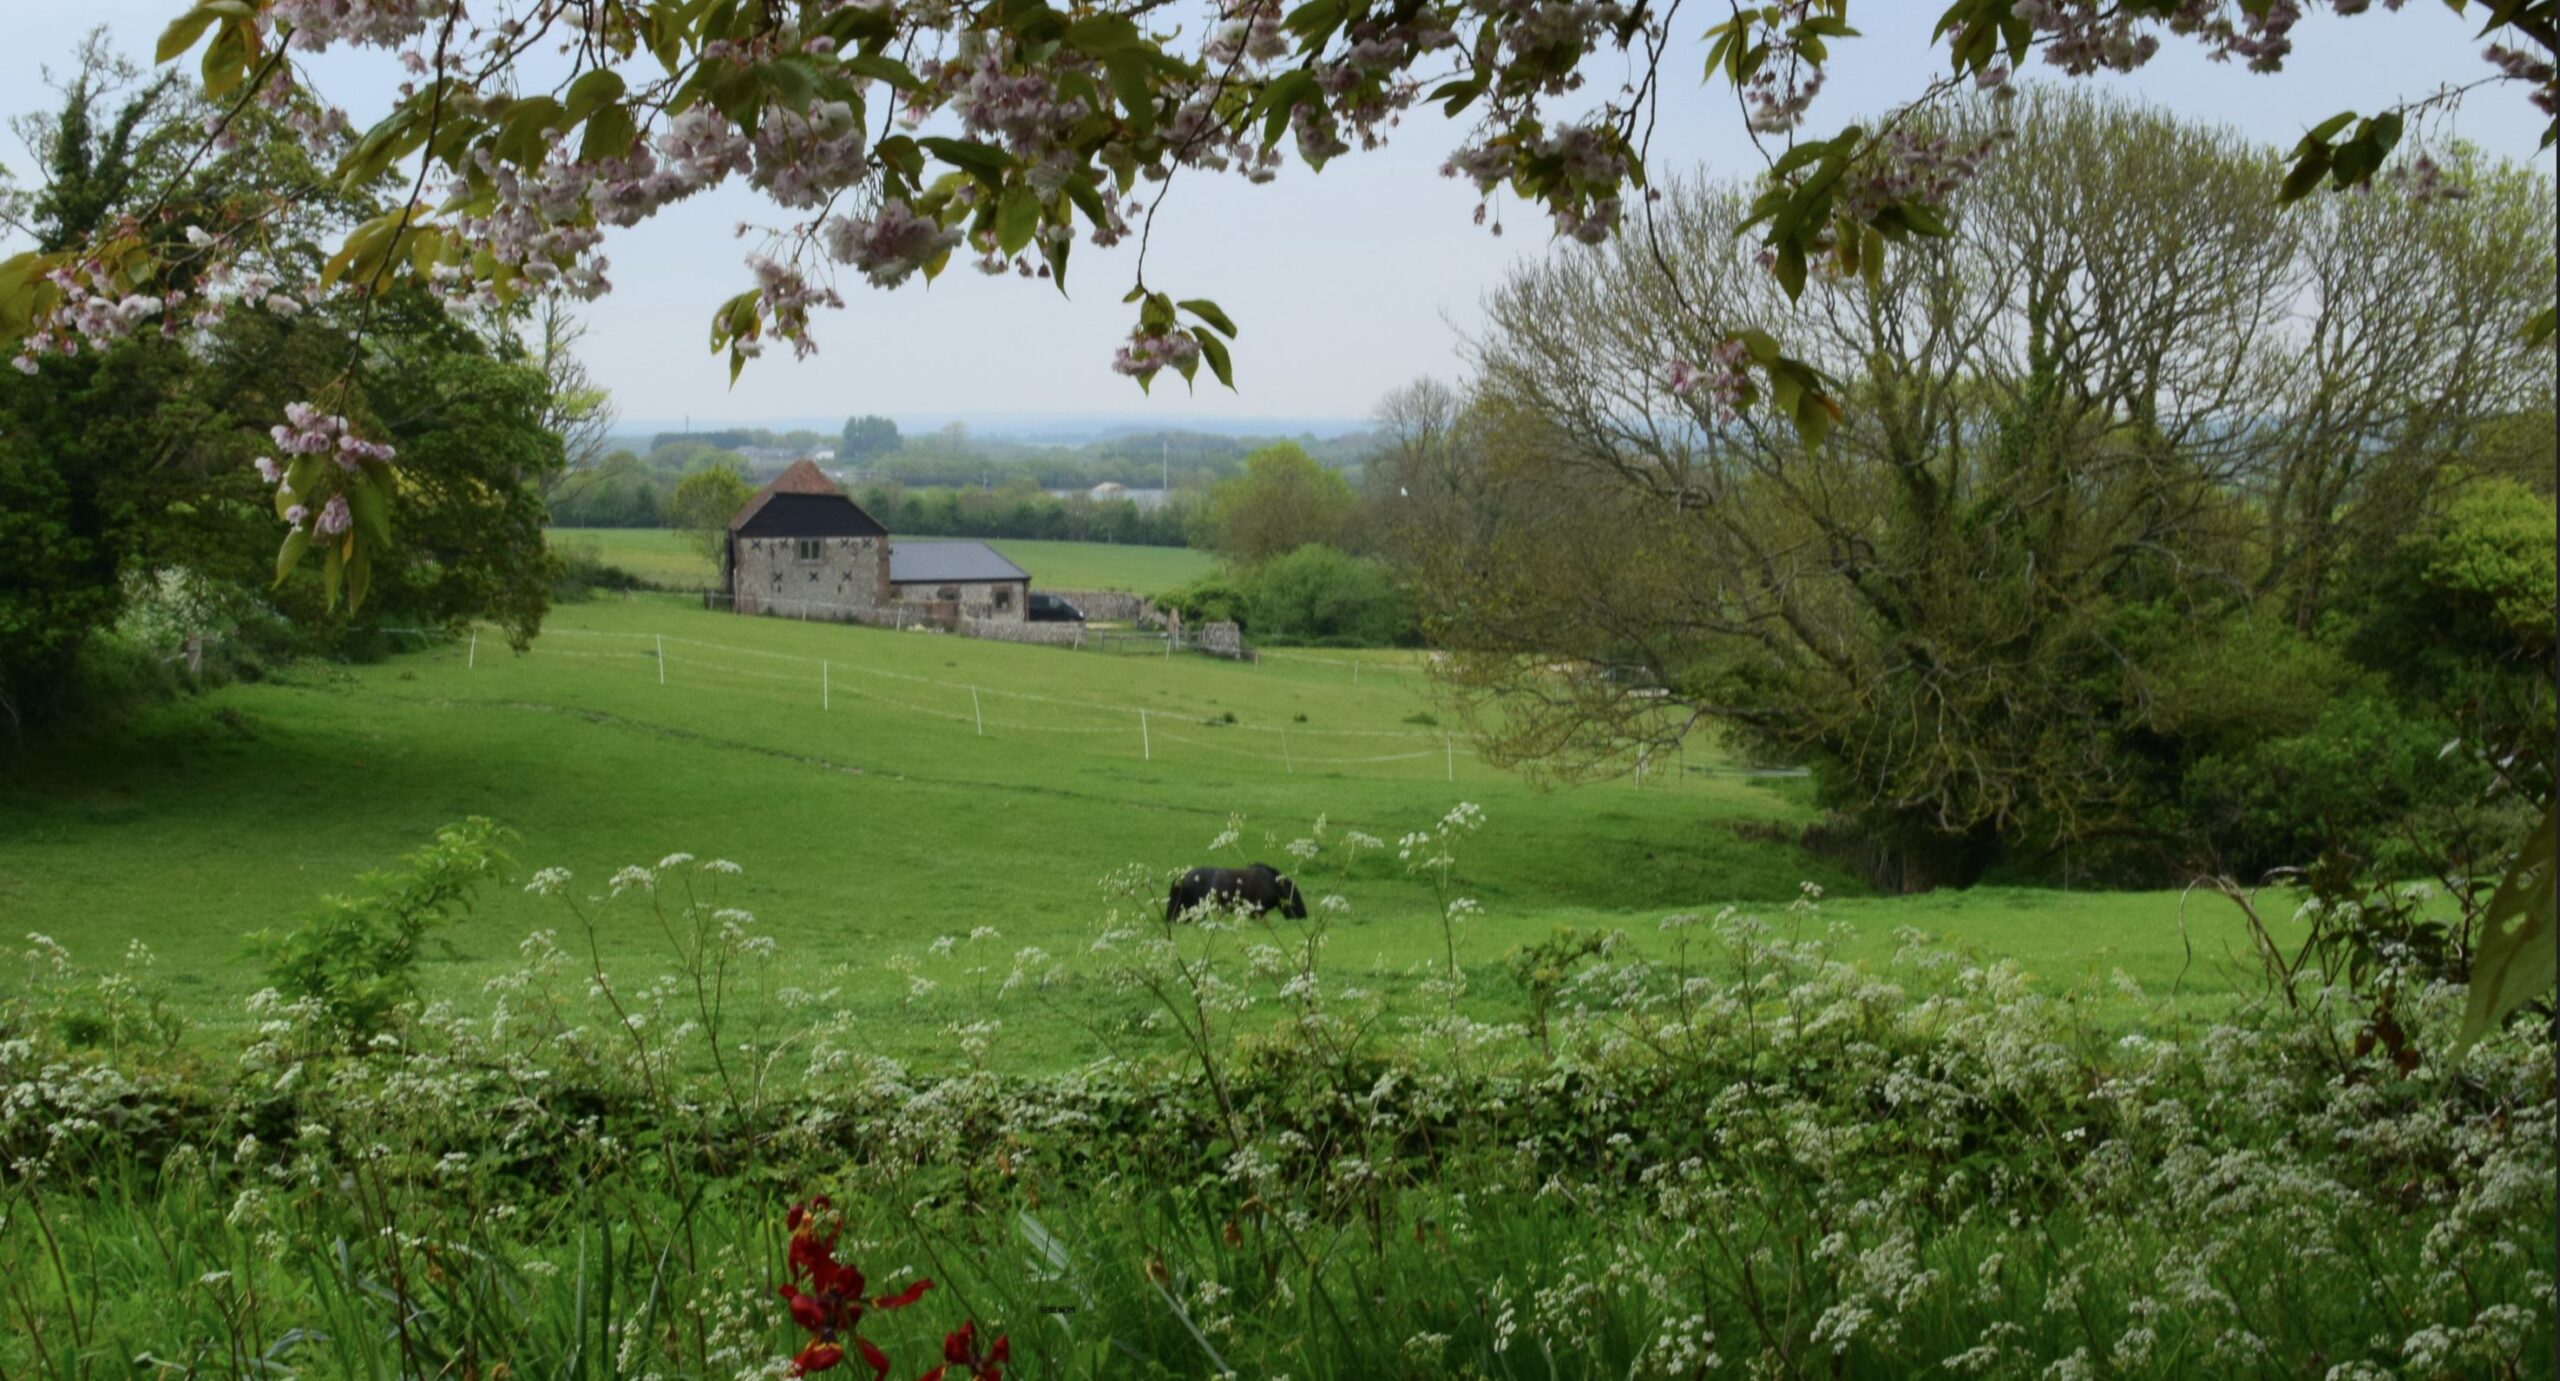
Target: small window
{"x":1004,"y":596}
{"x":808,"y":548}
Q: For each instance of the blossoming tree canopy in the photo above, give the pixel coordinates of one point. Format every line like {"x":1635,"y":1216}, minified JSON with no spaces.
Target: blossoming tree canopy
{"x":895,"y":136}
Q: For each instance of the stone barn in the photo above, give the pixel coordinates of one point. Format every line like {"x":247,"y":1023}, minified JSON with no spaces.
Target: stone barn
{"x":945,"y":582}
{"x":802,"y":548}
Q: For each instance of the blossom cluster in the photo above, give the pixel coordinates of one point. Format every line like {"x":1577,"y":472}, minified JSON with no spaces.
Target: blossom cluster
{"x":1147,"y":352}
{"x":1717,"y":384}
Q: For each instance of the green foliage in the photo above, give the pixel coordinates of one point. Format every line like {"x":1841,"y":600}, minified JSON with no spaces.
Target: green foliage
{"x":1322,"y":596}
{"x":1283,"y":501}
{"x":1214,"y":598}
{"x":704,"y":502}
{"x":1542,"y":968}
{"x":867,"y":437}
{"x":357,"y":957}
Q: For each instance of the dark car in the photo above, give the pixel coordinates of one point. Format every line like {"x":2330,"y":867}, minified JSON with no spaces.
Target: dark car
{"x":1051,"y":609}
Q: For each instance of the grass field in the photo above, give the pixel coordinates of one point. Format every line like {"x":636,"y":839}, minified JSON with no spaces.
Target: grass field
{"x":668,"y":558}
{"x":896,"y":812}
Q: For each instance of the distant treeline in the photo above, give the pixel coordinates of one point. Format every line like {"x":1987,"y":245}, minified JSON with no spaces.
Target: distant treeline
{"x":1023,"y":511}
{"x":947,"y":483}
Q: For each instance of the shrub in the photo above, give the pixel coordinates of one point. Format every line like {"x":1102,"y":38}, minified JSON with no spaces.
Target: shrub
{"x":1318,"y":595}
{"x":358,"y":956}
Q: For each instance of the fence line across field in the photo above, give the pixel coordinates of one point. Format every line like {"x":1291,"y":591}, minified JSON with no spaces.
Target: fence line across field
{"x":1149,"y":726}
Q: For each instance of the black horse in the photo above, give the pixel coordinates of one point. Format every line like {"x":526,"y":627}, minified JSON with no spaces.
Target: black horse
{"x":1253,"y":889}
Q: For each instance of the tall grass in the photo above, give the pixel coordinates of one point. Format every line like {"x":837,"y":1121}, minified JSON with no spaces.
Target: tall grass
{"x":1732,"y":1153}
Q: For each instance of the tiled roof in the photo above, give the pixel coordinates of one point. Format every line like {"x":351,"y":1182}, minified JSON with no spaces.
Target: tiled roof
{"x":800,"y":477}
{"x":940,"y":563}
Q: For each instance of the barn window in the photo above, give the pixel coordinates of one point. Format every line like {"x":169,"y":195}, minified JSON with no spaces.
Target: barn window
{"x":1004,"y":596}
{"x":947,"y":592}
{"x":808,"y":548}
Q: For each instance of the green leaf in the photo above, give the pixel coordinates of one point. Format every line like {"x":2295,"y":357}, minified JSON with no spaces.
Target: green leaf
{"x":182,"y":33}
{"x":359,"y":578}
{"x":2309,"y":167}
{"x":987,"y":162}
{"x":371,"y":510}
{"x":1281,"y":97}
{"x":610,"y":131}
{"x":884,"y":67}
{"x":1017,"y":218}
{"x":1137,"y":96}
{"x":1790,"y":267}
{"x":1208,"y":311}
{"x":296,"y":543}
{"x":591,"y":92}
{"x":1214,"y":351}
{"x":333,"y":573}
{"x":2516,"y":959}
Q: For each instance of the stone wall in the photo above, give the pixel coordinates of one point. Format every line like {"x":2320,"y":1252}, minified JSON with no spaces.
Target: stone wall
{"x":1018,"y":631}
{"x":995,"y":601}
{"x":1115,"y":606}
{"x":1222,"y":639}
{"x":768,"y":576}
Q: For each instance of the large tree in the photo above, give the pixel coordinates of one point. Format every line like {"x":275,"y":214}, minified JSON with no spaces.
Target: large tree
{"x":135,"y":459}
{"x":1283,"y":501}
{"x":2110,"y":416}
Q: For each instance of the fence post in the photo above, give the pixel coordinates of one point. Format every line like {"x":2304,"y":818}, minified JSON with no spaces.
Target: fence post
{"x":1449,"y":747}
{"x":472,"y":658}
{"x":1146,"y":748}
{"x":662,"y":658}
{"x":826,"y":697}
{"x":980,"y":714}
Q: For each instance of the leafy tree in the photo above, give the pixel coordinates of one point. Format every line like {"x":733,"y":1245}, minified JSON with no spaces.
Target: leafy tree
{"x":134,"y":459}
{"x":705,"y":501}
{"x":1282,"y":501}
{"x":2056,"y":479}
{"x":865,"y":437}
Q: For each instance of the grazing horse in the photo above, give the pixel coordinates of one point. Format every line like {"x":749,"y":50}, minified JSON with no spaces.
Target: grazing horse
{"x":1253,"y":889}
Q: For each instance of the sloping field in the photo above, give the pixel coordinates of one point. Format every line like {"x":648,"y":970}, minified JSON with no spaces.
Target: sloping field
{"x":876,"y":805}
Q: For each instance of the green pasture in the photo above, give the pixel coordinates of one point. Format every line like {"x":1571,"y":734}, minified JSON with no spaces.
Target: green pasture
{"x":875,"y":807}
{"x":668,"y":558}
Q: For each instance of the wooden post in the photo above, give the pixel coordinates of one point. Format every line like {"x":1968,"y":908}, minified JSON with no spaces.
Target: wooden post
{"x":979,"y":713}
{"x":662,"y":658}
{"x":825,"y":691}
{"x":1145,"y":747}
{"x":472,"y":658}
{"x":1449,"y":746}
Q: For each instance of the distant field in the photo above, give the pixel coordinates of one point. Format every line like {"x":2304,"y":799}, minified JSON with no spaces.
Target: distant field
{"x":667,"y":558}
{"x":876,"y":805}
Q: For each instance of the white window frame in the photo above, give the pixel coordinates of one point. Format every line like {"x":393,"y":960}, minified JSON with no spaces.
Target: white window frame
{"x":809,"y":548}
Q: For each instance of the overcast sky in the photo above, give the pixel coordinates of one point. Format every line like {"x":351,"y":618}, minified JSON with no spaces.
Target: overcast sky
{"x":1346,"y":284}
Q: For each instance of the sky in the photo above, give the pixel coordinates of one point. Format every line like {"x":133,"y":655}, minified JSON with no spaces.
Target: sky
{"x":1346,"y":284}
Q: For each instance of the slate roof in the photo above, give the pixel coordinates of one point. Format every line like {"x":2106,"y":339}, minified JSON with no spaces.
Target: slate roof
{"x":949,"y":563}
{"x":803,"y":502}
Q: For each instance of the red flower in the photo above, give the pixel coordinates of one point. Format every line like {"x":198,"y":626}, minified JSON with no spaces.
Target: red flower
{"x":904,"y":1297}
{"x":960,"y":1349}
{"x":830,"y":1306}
